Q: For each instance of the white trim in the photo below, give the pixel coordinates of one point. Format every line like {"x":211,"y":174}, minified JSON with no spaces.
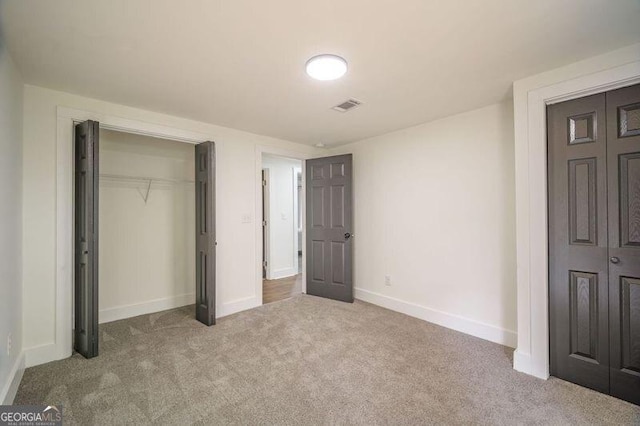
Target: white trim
{"x":294,"y":216}
{"x":143,"y":308}
{"x":10,"y":389}
{"x":531,"y":96}
{"x":126,"y":125}
{"x":238,"y":305}
{"x":262,"y":149}
{"x":62,"y":347}
{"x":40,"y":354}
{"x":276,"y":274}
{"x":445,"y":319}
{"x":266,"y":218}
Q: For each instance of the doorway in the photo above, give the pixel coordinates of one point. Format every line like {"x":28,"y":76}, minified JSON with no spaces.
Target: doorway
{"x":158,"y":228}
{"x":146,"y":225}
{"x":282,"y":227}
{"x":594,"y":241}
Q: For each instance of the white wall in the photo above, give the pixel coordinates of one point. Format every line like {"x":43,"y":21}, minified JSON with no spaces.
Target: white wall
{"x":434,"y":208}
{"x":146,"y":250}
{"x":10,"y":224}
{"x":283,"y":224}
{"x":236,"y":189}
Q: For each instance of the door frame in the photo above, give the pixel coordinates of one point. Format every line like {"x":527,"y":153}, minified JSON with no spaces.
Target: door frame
{"x":531,"y":96}
{"x":266,"y":217}
{"x":64,"y":197}
{"x":295,"y":155}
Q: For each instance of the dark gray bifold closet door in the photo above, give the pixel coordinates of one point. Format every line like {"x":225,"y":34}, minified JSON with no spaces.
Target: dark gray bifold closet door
{"x":623,"y":152}
{"x":329,"y":227}
{"x":578,"y":269}
{"x":594,"y":241}
{"x":86,"y":238}
{"x":205,"y":233}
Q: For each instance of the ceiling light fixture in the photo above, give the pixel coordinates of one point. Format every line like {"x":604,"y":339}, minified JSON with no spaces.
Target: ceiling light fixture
{"x":326,"y":67}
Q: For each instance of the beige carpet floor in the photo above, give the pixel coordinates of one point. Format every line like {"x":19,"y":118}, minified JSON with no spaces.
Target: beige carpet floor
{"x":306,"y":360}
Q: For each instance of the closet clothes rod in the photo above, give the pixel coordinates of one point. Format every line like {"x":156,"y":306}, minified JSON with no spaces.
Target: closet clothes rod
{"x":143,"y":178}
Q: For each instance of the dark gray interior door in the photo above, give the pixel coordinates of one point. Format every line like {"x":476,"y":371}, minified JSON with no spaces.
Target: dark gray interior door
{"x":329,"y":227}
{"x":594,"y":241}
{"x":578,"y":264}
{"x":205,"y":233}
{"x":623,"y":152}
{"x":86,"y":238}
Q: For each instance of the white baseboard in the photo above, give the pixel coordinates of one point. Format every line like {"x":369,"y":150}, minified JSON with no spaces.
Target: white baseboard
{"x":238,"y":305}
{"x":521,"y":362}
{"x":283,"y":273}
{"x":157,"y":305}
{"x":10,"y":388}
{"x":454,"y":322}
{"x":40,"y":354}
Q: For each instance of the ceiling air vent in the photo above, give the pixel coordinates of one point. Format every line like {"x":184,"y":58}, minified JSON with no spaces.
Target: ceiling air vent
{"x":347,"y":105}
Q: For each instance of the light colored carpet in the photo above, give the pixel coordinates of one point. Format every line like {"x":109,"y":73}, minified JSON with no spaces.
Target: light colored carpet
{"x":306,"y":360}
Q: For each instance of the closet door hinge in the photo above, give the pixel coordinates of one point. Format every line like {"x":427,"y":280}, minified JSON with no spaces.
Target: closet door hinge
{"x":264,"y":223}
{"x":264,"y":182}
{"x":264,"y":263}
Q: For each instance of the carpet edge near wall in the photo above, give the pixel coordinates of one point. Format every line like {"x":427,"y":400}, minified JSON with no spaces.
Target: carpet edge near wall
{"x":454,"y":322}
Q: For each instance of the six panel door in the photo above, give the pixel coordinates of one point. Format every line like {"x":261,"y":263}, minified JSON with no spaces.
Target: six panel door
{"x":594,"y":241}
{"x":578,"y":275}
{"x":623,"y":153}
{"x":329,"y":227}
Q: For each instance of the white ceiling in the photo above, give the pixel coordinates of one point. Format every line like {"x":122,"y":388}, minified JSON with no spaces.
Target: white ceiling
{"x":240,"y":63}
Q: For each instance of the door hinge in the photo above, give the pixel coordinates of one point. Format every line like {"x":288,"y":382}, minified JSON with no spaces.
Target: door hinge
{"x":264,"y":183}
{"x":264,"y":223}
{"x":264,"y":263}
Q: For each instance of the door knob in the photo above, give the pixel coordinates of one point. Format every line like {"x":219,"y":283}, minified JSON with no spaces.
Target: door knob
{"x":614,"y":259}
{"x":347,"y":235}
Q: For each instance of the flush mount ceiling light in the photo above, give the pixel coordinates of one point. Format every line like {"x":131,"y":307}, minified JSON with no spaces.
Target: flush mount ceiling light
{"x":326,"y":67}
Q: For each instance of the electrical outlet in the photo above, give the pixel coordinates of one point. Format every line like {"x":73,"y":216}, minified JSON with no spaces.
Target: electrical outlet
{"x":9,"y":343}
{"x":387,"y":280}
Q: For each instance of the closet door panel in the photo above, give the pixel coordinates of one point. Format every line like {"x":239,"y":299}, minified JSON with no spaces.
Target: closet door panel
{"x":623,"y":153}
{"x":205,"y":233}
{"x":578,"y":279}
{"x":86,"y":238}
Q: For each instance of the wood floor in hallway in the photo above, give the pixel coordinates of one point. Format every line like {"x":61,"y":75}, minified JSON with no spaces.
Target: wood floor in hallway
{"x":284,"y":288}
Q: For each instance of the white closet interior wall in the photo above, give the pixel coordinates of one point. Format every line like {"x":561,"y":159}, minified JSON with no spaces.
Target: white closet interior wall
{"x":146,"y":259}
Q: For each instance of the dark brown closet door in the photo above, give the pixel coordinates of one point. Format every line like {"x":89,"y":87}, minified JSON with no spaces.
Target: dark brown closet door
{"x":623,"y":152}
{"x":578,"y":261}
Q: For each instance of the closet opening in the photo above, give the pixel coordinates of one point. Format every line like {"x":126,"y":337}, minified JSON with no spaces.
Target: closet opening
{"x":144,"y":230}
{"x":146,"y":225}
{"x":282,"y":228}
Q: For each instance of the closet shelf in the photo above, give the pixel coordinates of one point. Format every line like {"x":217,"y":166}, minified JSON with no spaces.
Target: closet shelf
{"x":145,"y":179}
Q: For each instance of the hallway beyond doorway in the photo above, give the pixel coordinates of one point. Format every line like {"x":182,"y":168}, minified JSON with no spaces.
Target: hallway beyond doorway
{"x":284,"y":288}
